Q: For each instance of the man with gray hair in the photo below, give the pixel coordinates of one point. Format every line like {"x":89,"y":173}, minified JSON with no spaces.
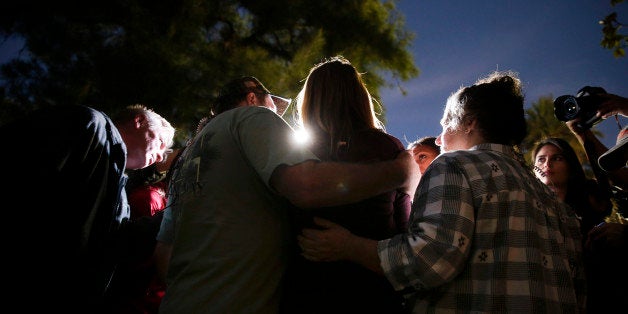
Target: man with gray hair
{"x":67,"y":167}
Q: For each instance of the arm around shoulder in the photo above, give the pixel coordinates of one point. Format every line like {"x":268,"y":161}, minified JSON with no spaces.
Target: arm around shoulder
{"x":319,"y":184}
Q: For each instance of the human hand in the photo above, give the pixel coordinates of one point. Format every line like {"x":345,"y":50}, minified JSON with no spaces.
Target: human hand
{"x":607,"y":236}
{"x":413,"y":171}
{"x":575,"y":127}
{"x":611,"y":105}
{"x":330,"y":244}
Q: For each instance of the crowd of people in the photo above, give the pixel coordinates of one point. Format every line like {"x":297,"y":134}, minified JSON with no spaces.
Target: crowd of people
{"x":242,"y":219}
{"x":483,"y":230}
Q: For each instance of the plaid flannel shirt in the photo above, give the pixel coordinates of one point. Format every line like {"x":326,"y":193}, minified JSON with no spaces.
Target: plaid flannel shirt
{"x":485,"y":235}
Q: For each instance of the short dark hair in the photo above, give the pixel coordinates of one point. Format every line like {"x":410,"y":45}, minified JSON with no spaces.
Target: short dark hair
{"x":232,"y":93}
{"x":425,"y":141}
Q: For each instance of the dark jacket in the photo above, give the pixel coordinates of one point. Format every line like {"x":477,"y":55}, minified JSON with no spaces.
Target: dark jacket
{"x":65,"y":178}
{"x":346,"y":287}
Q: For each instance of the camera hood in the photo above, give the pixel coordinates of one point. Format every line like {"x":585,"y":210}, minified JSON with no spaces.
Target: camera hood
{"x":590,"y":90}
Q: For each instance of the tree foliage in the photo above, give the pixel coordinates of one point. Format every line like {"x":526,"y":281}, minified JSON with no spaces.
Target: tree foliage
{"x":612,"y":39}
{"x":174,"y":55}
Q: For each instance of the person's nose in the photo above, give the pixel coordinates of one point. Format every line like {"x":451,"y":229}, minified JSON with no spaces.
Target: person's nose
{"x":438,"y":141}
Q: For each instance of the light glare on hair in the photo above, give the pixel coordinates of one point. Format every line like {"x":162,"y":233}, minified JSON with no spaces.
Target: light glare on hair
{"x":301,"y":137}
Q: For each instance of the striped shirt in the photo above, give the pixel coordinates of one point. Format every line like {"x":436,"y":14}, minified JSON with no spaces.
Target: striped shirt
{"x":485,"y":235}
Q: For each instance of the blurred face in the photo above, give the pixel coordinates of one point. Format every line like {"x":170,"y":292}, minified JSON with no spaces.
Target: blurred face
{"x":423,"y":155}
{"x":451,"y":140}
{"x":550,"y":166}
{"x":144,"y":147}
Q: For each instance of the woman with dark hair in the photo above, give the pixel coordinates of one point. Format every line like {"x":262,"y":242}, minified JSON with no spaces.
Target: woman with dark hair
{"x":484,"y":236}
{"x":557,"y":165}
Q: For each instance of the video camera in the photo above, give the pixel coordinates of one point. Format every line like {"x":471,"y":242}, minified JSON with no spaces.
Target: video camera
{"x":583,"y":105}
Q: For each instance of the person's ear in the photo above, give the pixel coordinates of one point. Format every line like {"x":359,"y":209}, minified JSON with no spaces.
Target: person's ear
{"x":470,"y":126}
{"x":139,"y":120}
{"x":250,"y":99}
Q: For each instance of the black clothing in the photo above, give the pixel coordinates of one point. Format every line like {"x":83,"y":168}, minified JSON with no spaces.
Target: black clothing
{"x":65,"y":172}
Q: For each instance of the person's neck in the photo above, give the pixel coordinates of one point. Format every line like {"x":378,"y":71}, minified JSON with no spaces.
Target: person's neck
{"x":561,"y":192}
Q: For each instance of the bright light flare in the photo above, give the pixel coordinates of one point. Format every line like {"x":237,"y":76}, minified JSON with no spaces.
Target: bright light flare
{"x":301,"y":137}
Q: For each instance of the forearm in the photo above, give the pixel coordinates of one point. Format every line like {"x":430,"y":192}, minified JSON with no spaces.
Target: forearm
{"x":363,"y":251}
{"x":594,"y":148}
{"x":332,"y":242}
{"x":619,"y":178}
{"x":320,"y":184}
{"x":162,"y":254}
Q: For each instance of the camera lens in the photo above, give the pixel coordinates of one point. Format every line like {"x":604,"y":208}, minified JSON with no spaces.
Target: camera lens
{"x":571,"y":107}
{"x":566,"y":108}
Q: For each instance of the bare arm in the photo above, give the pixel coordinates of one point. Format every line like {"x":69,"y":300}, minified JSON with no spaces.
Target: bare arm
{"x":162,"y":254}
{"x":319,"y":184}
{"x":594,"y":148}
{"x":608,"y":236}
{"x":612,"y":105}
{"x":336,"y":243}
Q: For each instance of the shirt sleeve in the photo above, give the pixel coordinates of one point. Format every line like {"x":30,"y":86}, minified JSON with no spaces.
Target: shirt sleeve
{"x":268,"y":142}
{"x":166,"y":230}
{"x":434,"y":249}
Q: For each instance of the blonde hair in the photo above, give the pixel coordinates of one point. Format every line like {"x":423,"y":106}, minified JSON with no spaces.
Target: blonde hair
{"x":334,"y":102}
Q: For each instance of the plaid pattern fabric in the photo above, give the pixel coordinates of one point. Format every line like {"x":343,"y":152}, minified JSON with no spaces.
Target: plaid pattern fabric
{"x":485,"y":235}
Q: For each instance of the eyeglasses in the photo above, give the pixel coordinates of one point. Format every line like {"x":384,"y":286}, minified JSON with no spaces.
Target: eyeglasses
{"x":281,"y":100}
